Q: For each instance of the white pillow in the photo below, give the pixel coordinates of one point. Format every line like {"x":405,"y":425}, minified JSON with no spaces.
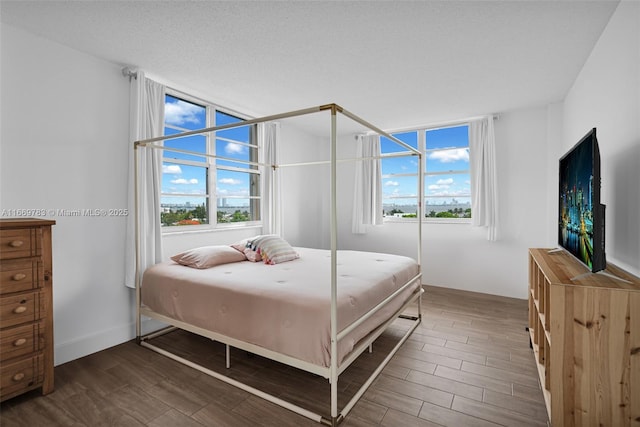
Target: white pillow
{"x":208,"y":256}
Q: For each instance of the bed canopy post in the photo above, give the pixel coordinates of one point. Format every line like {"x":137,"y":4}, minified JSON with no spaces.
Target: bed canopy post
{"x":334,"y":271}
{"x":421,"y":169}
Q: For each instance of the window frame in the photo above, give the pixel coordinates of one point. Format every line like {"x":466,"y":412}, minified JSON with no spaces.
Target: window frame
{"x":212,"y":167}
{"x":421,"y":143}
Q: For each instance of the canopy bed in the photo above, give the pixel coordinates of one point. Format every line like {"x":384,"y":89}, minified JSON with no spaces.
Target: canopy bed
{"x":317,"y":312}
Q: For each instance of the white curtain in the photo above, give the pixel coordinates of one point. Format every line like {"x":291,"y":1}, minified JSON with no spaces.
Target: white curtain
{"x":367,"y":200}
{"x":484,"y":184}
{"x":147,"y":121}
{"x":270,"y":189}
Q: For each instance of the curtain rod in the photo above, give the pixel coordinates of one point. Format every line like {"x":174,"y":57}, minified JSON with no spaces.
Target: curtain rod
{"x":128,"y":72}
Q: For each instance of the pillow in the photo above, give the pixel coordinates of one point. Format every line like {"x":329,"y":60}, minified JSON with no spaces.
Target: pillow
{"x":244,"y":247}
{"x":242,"y":244}
{"x":252,"y":255}
{"x":272,"y":249}
{"x":208,"y":256}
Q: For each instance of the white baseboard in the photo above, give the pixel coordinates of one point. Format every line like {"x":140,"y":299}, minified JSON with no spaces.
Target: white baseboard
{"x":84,"y":346}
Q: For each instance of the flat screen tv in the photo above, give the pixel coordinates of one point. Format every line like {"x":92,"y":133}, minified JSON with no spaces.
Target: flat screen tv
{"x":581,"y":215}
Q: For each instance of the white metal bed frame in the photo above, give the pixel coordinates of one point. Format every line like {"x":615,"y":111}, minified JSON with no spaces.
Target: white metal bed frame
{"x":334,"y":370}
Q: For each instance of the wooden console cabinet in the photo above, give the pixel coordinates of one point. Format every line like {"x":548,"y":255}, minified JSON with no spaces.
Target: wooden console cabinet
{"x":585,"y":333}
{"x":26,"y":310}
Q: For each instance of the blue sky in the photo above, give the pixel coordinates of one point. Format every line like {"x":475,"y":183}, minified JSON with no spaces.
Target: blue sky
{"x":442,"y":186}
{"x":188,"y":179}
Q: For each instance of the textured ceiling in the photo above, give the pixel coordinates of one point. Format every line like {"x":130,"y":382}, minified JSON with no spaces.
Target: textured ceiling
{"x":396,"y":64}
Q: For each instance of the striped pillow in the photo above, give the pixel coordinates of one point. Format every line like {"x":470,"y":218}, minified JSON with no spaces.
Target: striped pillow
{"x":273,"y":249}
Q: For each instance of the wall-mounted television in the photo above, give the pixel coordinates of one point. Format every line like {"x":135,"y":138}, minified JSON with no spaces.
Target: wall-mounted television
{"x":581,"y":215}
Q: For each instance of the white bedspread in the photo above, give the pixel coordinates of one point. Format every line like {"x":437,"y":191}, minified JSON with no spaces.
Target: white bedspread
{"x":283,"y":307}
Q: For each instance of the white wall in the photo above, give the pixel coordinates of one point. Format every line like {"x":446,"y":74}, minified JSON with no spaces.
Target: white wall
{"x":304,"y":188}
{"x":64,"y":146}
{"x":606,"y":95}
{"x":554,"y":140}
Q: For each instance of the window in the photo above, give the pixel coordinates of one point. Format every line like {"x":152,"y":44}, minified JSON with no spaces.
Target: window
{"x":238,"y":183}
{"x":399,"y":177}
{"x":447,"y":184}
{"x":194,"y":186}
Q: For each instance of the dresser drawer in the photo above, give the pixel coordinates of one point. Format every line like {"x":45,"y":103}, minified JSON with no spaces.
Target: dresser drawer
{"x":21,"y":375}
{"x":19,"y":243}
{"x":21,"y":275}
{"x":17,"y":309}
{"x":21,"y":341}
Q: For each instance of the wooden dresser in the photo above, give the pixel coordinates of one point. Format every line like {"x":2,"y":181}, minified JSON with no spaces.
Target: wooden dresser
{"x":26,"y":309}
{"x":585,"y":333}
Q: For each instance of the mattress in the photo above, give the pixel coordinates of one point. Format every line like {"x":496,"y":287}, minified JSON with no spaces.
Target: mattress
{"x":283,"y":307}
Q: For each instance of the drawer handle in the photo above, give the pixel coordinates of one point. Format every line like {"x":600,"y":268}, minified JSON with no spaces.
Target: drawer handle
{"x":18,"y":276}
{"x":16,"y":243}
{"x":19,"y":342}
{"x":18,"y":377}
{"x":20,"y":309}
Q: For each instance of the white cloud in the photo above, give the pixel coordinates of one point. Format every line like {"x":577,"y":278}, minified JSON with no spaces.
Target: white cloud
{"x":399,"y":193}
{"x":434,"y":187}
{"x":232,"y":148}
{"x":230,"y":181}
{"x":446,"y":193}
{"x":449,"y":156}
{"x":195,"y":192}
{"x":441,"y":184}
{"x":226,"y":193}
{"x":174,"y":169}
{"x":392,"y":183}
{"x":179,"y":113}
{"x":184,"y":181}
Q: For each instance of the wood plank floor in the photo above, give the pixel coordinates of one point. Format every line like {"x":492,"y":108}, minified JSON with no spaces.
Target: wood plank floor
{"x":467,"y":364}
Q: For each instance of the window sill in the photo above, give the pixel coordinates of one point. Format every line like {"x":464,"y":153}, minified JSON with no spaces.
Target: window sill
{"x":192,"y":229}
{"x":460,"y":221}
